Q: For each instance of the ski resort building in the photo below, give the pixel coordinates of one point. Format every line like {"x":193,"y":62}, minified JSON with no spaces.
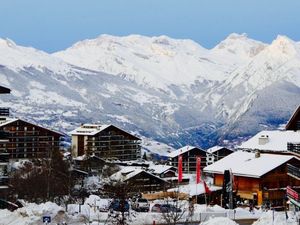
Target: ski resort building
{"x":216,"y":153}
{"x":277,"y":141}
{"x":4,"y":155}
{"x":189,"y":154}
{"x":273,"y":141}
{"x":27,"y":140}
{"x":257,"y":177}
{"x":106,"y":142}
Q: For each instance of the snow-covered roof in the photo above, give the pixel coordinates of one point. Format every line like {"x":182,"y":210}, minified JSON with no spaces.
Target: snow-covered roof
{"x":215,"y":149}
{"x":181,"y":151}
{"x":159,"y":169}
{"x":93,"y":129}
{"x":89,"y":129}
{"x":245,"y":164}
{"x":128,"y":172}
{"x":7,"y":121}
{"x":275,"y":140}
{"x":194,"y":189}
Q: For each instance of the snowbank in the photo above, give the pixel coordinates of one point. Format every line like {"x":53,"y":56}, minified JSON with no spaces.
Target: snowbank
{"x":30,"y":214}
{"x":279,"y":219}
{"x":219,"y":221}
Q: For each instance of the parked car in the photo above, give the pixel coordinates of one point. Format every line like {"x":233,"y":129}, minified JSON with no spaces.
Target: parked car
{"x":119,"y":205}
{"x":164,"y":208}
{"x":156,"y":208}
{"x":170,"y":208}
{"x":141,"y":205}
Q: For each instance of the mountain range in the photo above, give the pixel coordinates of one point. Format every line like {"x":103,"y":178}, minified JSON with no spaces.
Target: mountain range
{"x":173,"y":91}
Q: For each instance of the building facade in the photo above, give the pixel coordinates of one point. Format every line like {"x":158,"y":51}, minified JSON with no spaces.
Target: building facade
{"x":27,"y":140}
{"x":257,"y":177}
{"x":189,"y":156}
{"x":4,"y":155}
{"x":216,"y":153}
{"x":106,"y":142}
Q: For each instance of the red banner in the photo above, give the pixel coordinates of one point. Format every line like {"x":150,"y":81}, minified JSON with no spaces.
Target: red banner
{"x":292,"y":193}
{"x":180,"y":168}
{"x":206,"y":188}
{"x":198,"y":169}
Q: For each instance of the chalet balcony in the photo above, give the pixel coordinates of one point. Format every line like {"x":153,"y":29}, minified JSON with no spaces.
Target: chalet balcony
{"x":4,"y":157}
{"x":4,"y":180}
{"x":294,"y":147}
{"x":293,"y":171}
{"x":4,"y":135}
{"x":4,"y":112}
{"x":293,"y":193}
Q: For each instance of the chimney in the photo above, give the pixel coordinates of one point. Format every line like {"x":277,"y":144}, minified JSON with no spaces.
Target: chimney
{"x":257,"y":154}
{"x":263,"y":139}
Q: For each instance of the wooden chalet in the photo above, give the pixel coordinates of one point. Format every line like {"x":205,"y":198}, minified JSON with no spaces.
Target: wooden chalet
{"x":4,"y":155}
{"x":140,"y":180}
{"x":293,"y":147}
{"x":106,"y":142}
{"x":189,"y":154}
{"x":257,"y":177}
{"x":216,"y":153}
{"x":162,"y":171}
{"x":27,"y":140}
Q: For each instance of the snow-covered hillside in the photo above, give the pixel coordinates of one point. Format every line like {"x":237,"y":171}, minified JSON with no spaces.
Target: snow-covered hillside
{"x":174,"y":91}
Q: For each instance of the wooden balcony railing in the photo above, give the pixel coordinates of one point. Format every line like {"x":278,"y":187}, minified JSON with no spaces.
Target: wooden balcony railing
{"x":293,"y":171}
{"x":293,"y":147}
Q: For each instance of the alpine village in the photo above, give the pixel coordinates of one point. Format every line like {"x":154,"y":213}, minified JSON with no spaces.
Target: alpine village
{"x":106,"y":162}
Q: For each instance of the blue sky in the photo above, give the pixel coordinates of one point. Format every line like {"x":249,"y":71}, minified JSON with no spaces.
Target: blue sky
{"x":53,"y":25}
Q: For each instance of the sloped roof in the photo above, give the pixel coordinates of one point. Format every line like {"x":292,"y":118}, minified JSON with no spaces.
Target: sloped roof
{"x":216,"y":148}
{"x":129,"y":172}
{"x":291,"y":123}
{"x":159,"y":169}
{"x":182,"y":151}
{"x":12,"y":120}
{"x":89,"y":129}
{"x":4,"y":90}
{"x":276,"y":140}
{"x":245,"y":164}
{"x":93,"y":129}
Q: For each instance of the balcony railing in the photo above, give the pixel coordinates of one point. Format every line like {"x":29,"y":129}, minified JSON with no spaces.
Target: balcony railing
{"x":4,"y":112}
{"x":293,"y":147}
{"x":4,"y":180}
{"x":293,"y":171}
{"x":293,"y":193}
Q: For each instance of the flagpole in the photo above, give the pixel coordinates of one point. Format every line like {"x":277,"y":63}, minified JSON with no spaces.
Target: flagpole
{"x":198,"y":175}
{"x":196,"y":193}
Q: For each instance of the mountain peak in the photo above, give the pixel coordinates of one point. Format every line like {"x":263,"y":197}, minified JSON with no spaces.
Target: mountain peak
{"x":236,"y":36}
{"x":241,"y":45}
{"x":7,"y":42}
{"x":283,"y":45}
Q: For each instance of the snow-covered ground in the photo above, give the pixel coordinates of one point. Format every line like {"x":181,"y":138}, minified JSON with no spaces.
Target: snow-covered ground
{"x":277,"y":218}
{"x":32,"y":214}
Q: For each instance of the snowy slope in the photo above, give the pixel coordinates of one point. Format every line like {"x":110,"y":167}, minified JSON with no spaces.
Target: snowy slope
{"x":173,"y":91}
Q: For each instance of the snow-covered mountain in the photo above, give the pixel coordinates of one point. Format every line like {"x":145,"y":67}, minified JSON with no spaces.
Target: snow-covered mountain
{"x":174,"y":91}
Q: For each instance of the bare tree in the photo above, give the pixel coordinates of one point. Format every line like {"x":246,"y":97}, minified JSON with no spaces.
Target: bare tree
{"x":42,"y":179}
{"x":119,"y":213}
{"x":174,"y":210}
